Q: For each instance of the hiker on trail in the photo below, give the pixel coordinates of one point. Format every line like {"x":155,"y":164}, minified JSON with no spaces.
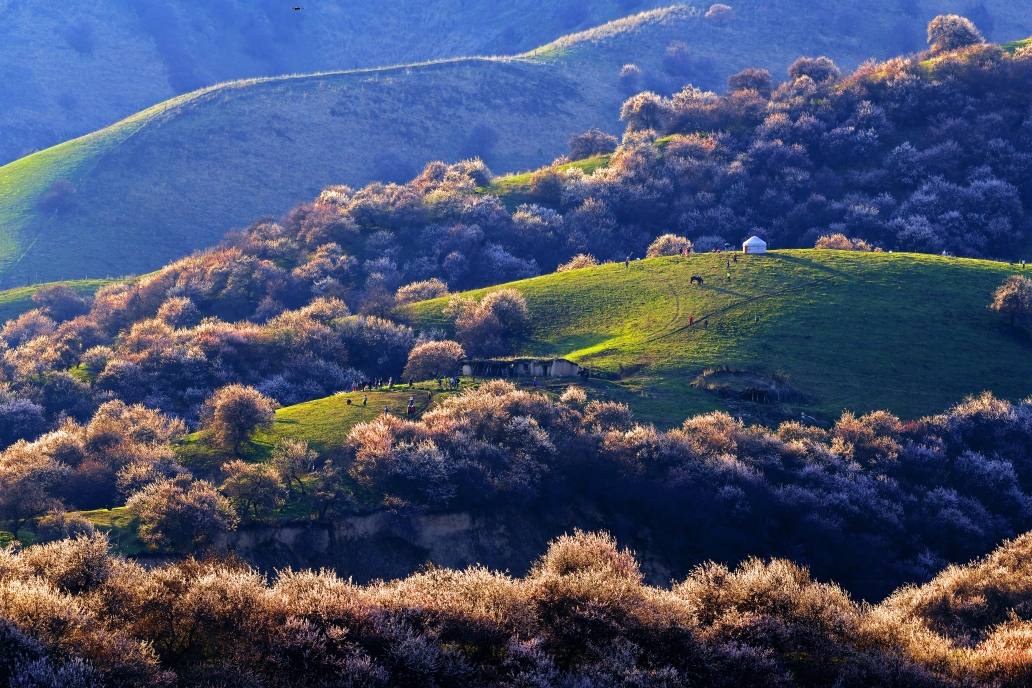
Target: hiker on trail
{"x":705,"y":324}
{"x":691,"y":319}
{"x":429,"y":396}
{"x":365,"y":400}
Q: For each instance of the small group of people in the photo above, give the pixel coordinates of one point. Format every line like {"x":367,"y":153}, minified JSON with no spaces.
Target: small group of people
{"x":411,"y":407}
{"x":377,"y":383}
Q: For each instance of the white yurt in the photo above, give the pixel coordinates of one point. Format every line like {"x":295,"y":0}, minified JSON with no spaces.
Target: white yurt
{"x":754,"y":245}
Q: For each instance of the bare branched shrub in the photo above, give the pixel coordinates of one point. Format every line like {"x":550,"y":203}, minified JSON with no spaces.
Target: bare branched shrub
{"x":592,"y":142}
{"x":820,"y":69}
{"x":421,"y":291}
{"x":546,"y":187}
{"x":951,"y":32}
{"x":181,"y":514}
{"x":434,"y":360}
{"x":490,"y":326}
{"x":179,"y":312}
{"x":720,"y":13}
{"x":60,"y":303}
{"x":581,"y":260}
{"x":668,"y":245}
{"x":574,"y":395}
{"x":234,"y":412}
{"x":1014,"y":298}
{"x":645,"y":111}
{"x":750,"y":79}
{"x":295,"y":462}
{"x":253,"y":488}
{"x":840,"y":242}
{"x":630,"y":78}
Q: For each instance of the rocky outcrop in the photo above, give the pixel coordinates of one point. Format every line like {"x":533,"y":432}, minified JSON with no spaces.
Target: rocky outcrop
{"x":387,"y":545}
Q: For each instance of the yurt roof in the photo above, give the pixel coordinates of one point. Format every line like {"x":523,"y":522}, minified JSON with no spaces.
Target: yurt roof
{"x":755,"y":241}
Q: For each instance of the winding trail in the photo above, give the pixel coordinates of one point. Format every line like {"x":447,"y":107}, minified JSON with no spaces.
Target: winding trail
{"x":737,"y":304}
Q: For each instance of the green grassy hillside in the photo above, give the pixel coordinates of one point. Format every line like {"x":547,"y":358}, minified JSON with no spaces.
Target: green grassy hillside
{"x":904,"y":332}
{"x":324,"y":424}
{"x":71,"y":72}
{"x":176,"y":177}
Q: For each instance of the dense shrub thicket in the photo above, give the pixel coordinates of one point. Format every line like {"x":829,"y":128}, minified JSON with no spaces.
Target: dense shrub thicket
{"x":72,"y":615}
{"x":926,"y":153}
{"x":917,"y":495}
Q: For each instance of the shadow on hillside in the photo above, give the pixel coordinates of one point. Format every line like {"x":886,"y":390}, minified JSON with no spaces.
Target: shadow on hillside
{"x":810,"y":264}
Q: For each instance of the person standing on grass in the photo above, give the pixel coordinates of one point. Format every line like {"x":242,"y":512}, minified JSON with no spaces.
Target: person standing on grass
{"x":365,"y":400}
{"x":535,"y":381}
{"x":627,"y":262}
{"x":691,"y":320}
{"x":729,"y":275}
{"x":386,"y":411}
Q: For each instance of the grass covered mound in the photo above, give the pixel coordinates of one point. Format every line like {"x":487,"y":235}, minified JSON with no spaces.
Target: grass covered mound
{"x":858,"y":331}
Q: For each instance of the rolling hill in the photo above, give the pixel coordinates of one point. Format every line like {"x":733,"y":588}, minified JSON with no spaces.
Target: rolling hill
{"x":176,"y":177}
{"x":850,"y":331}
{"x":67,"y":73}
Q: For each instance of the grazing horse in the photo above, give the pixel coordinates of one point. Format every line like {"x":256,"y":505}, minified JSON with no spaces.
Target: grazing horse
{"x":696,"y":278}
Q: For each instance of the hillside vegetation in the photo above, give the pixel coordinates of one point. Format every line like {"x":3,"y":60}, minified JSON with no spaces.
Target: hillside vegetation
{"x":178,"y":176}
{"x":66,"y":74}
{"x":854,"y":331}
{"x":580,"y":617}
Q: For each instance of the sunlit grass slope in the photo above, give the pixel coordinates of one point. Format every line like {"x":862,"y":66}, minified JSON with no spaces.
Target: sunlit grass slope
{"x":178,"y":176}
{"x":904,"y":332}
{"x":324,"y":424}
{"x":14,"y":302}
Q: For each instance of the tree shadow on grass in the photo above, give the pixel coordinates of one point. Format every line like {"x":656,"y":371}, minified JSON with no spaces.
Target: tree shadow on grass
{"x":808,"y":263}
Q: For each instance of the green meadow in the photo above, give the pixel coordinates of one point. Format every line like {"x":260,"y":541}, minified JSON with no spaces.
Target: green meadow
{"x":908,"y":333}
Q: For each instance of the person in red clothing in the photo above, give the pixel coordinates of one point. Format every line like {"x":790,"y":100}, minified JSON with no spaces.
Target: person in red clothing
{"x":691,"y":319}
